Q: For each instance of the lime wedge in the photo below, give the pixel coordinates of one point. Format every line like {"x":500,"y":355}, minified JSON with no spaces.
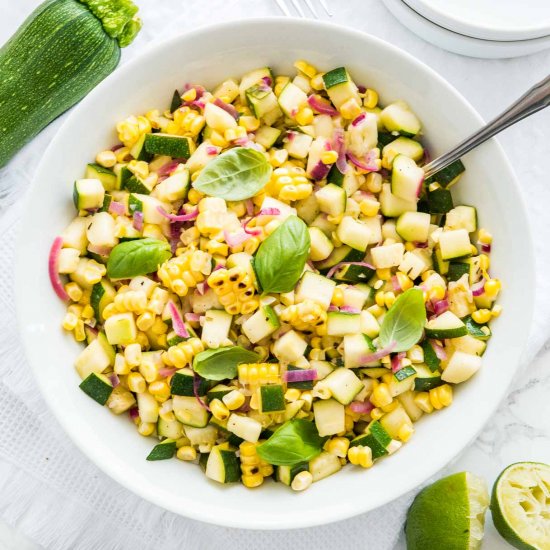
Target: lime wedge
{"x":449,"y":514}
{"x":520,"y":505}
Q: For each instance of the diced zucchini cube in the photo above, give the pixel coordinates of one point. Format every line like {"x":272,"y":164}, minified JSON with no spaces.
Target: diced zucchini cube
{"x":329,"y":417}
{"x":97,"y":386}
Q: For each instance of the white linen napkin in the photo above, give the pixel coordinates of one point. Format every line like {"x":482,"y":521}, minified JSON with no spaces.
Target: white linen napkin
{"x":48,"y":488}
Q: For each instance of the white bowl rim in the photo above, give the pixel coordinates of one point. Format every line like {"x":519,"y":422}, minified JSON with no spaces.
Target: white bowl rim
{"x":95,"y":454}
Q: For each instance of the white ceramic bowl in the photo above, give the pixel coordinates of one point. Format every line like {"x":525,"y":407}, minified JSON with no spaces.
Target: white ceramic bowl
{"x":207,"y":56}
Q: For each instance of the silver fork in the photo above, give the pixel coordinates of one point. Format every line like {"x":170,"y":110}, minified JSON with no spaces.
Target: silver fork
{"x":286,"y":7}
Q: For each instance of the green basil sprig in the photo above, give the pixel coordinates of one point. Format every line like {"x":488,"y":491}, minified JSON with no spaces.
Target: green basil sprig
{"x":404,"y":322}
{"x":235,"y":175}
{"x":280,"y":259}
{"x":137,"y":257}
{"x":295,"y":441}
{"x":221,"y":363}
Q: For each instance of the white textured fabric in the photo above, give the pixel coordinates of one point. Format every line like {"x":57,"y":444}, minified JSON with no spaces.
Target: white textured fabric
{"x":47,"y":487}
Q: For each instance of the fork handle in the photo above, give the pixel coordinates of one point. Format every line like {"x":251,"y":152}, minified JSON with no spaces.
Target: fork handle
{"x":535,"y":99}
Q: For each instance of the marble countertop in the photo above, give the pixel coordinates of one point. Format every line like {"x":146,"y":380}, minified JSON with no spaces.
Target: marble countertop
{"x":520,"y":429}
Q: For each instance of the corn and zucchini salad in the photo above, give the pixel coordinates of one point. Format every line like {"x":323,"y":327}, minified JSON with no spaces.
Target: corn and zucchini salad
{"x":265,"y":283}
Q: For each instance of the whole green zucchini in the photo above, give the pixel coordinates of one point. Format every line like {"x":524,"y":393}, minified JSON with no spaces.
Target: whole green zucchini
{"x":62,"y":51}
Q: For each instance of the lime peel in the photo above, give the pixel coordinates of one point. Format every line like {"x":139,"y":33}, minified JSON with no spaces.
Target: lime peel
{"x":449,"y":514}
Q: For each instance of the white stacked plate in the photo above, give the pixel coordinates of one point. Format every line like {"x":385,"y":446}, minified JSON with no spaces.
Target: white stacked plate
{"x":478,"y":28}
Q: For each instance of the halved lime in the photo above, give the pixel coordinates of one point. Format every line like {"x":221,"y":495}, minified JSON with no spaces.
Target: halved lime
{"x":520,"y":505}
{"x":449,"y":514}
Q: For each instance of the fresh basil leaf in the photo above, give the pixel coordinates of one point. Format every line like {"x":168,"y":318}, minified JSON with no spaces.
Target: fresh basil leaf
{"x":404,"y":322}
{"x":295,"y":441}
{"x":137,"y":257}
{"x":221,"y":363}
{"x":280,"y":260}
{"x":235,"y":175}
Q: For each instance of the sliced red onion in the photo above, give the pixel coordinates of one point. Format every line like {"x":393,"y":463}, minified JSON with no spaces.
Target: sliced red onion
{"x":178,"y":217}
{"x":267,"y":80}
{"x":420,"y":245}
{"x":320,"y":171}
{"x":138,"y":220}
{"x":100,"y":250}
{"x":91,"y":323}
{"x":361,"y":407}
{"x":196,"y":385}
{"x":439,"y":350}
{"x":441,"y":306}
{"x":357,"y":120}
{"x":485,"y":248}
{"x":249,"y":204}
{"x":251,"y":231}
{"x":397,"y":361}
{"x":338,"y":146}
{"x":192,"y":317}
{"x":133,"y":413}
{"x":202,"y":288}
{"x":53,"y":261}
{"x":395,"y":284}
{"x":117,"y":208}
{"x":371,"y":357}
{"x":177,"y":322}
{"x":227,"y":107}
{"x":212,"y":150}
{"x":368,"y":164}
{"x":361,"y":89}
{"x":303,"y":375}
{"x":169,"y":167}
{"x":269,"y":212}
{"x":334,"y":269}
{"x":333,"y":308}
{"x":116,"y":147}
{"x":281,"y":331}
{"x":350,"y":309}
{"x":166,"y":372}
{"x":321,"y":107}
{"x":290,"y":135}
{"x":478,"y":288}
{"x":242,"y":141}
{"x":114,"y":379}
{"x":235,"y":239}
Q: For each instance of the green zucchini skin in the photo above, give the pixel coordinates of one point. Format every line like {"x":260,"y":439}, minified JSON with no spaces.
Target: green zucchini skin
{"x":55,"y":58}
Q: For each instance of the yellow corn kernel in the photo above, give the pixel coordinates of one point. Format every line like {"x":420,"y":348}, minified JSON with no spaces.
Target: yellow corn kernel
{"x":266,"y":469}
{"x":186,"y":452}
{"x":442,"y":396}
{"x":106,"y":158}
{"x":369,"y":207}
{"x":422,"y":401}
{"x":122,"y":154}
{"x":484,"y":236}
{"x":74,"y":291}
{"x":337,"y":297}
{"x":484,"y":262}
{"x":405,"y":432}
{"x":249,"y":123}
{"x":146,"y":428}
{"x":304,"y":116}
{"x":360,"y":456}
{"x":253,"y":480}
{"x":132,"y":128}
{"x":338,"y":446}
{"x":373,"y":182}
{"x":145,"y":321}
{"x":251,"y":245}
{"x":121,"y":366}
{"x":136,"y":382}
{"x":370,"y":100}
{"x":379,"y":298}
{"x":301,"y":481}
{"x":194,"y":196}
{"x":132,"y":354}
{"x":233,"y":400}
{"x":350,"y":109}
{"x":481,"y":316}
{"x":70,"y":321}
{"x":317,"y":82}
{"x":79,"y":334}
{"x":307,"y":398}
{"x":404,"y":281}
{"x":381,"y":395}
{"x":384,"y":274}
{"x":306,"y":68}
{"x":248,"y":449}
{"x":189,"y":95}
{"x":254,"y":374}
{"x":496,"y":311}
{"x":292,"y":394}
{"x":219,"y":410}
{"x":87,"y":312}
{"x":329,"y":157}
{"x":376,"y":413}
{"x":389,"y":299}
{"x":492,"y":288}
{"x":159,"y":389}
{"x":437,"y":292}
